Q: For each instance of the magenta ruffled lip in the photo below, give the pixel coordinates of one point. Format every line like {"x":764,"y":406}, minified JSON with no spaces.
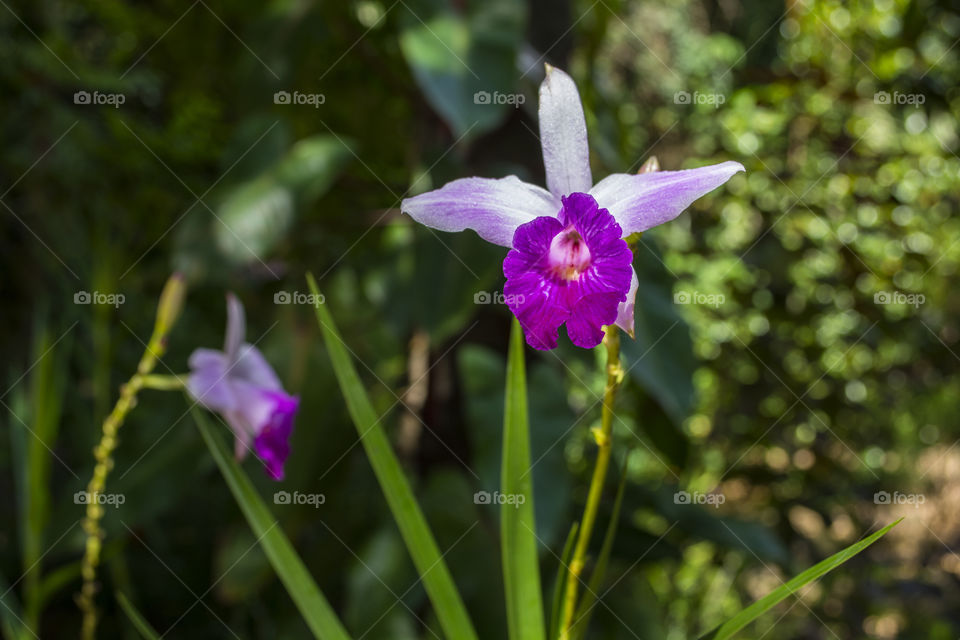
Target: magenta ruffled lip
{"x":572,"y":269}
{"x":272,"y":444}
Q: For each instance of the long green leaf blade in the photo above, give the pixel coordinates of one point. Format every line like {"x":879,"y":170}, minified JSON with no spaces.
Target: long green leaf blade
{"x":761,"y":606}
{"x":11,"y":623}
{"x":139,"y":622}
{"x":313,"y":606}
{"x":46,"y":382}
{"x":521,"y":570}
{"x":420,"y":542}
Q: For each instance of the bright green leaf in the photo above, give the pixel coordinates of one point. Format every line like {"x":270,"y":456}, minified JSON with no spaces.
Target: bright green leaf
{"x":521,"y":571}
{"x":793,"y":585}
{"x":313,"y":606}
{"x":396,"y":488}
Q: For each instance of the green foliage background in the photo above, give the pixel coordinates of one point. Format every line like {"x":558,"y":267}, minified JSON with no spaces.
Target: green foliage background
{"x":797,"y":395}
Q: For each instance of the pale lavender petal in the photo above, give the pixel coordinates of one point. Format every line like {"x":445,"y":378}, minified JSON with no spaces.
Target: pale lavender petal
{"x":250,"y":366}
{"x":202,"y":358}
{"x":209,"y":382}
{"x":494,"y":208}
{"x":642,"y":201}
{"x":236,"y":327}
{"x":563,"y":135}
{"x":625,"y":318}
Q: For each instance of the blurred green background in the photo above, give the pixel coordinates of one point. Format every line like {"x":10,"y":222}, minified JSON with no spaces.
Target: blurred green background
{"x":797,"y":339}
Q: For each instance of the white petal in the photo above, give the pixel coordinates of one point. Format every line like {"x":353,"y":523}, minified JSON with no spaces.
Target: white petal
{"x":563,"y":135}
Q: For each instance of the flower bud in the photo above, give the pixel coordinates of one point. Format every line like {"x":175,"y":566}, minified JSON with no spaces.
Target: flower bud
{"x":650,"y":165}
{"x":171,"y":303}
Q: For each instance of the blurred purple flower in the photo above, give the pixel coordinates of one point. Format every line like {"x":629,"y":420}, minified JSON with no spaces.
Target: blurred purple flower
{"x":568,"y":262}
{"x":239,"y":384}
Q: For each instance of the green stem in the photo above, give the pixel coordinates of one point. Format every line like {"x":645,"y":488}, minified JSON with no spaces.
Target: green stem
{"x":164,"y":383}
{"x":603,"y":438}
{"x":171,"y":301}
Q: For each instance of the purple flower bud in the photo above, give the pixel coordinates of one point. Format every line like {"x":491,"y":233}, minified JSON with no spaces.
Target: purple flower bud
{"x":239,"y":384}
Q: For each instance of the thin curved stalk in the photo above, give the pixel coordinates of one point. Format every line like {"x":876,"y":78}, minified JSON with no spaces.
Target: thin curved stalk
{"x":611,"y":341}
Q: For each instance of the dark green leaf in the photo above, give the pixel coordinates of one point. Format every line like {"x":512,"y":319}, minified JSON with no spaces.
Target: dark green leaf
{"x":661,"y":357}
{"x":463,"y":56}
{"x":138,"y":620}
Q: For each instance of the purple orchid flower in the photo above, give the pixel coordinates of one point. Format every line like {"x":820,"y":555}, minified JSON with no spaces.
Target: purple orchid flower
{"x":239,"y":384}
{"x":568,"y":261}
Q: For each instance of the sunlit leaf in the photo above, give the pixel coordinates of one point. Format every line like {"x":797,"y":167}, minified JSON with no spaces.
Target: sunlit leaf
{"x":792,"y":586}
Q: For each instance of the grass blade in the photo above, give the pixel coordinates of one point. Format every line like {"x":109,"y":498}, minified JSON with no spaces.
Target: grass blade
{"x":560,"y":580}
{"x":761,"y":606}
{"x":585,"y":610}
{"x":420,"y":542}
{"x":46,"y":399}
{"x":521,"y":569}
{"x":11,"y":623}
{"x":313,"y":606}
{"x":138,"y":620}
